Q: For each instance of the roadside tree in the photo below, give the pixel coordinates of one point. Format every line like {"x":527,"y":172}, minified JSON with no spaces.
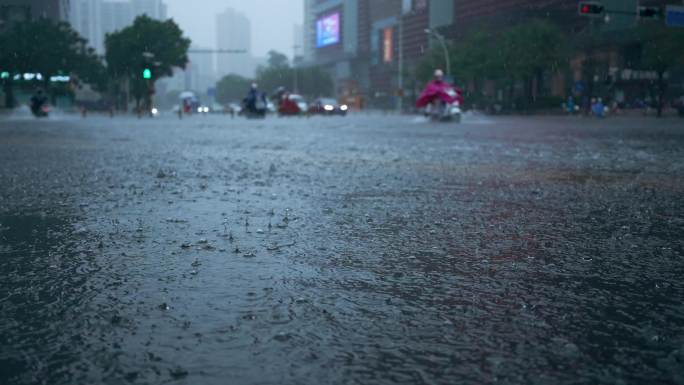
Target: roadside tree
{"x":662,"y":52}
{"x":47,"y":48}
{"x":147,"y":44}
{"x":232,"y":88}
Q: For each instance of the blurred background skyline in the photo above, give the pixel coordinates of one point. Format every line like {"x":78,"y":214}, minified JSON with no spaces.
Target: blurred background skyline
{"x":272,"y":21}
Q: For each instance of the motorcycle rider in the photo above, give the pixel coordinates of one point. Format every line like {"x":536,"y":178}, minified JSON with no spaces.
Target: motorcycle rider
{"x":38,"y":101}
{"x":255,"y":102}
{"x":437,"y":93}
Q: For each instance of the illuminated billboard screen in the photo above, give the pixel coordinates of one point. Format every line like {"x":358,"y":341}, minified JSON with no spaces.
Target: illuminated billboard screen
{"x":328,"y":30}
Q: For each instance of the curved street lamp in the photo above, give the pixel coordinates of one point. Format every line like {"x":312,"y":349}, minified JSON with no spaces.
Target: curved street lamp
{"x":442,"y":41}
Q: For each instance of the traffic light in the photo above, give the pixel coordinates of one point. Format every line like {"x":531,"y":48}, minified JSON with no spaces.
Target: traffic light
{"x":147,"y":73}
{"x":591,"y":9}
{"x":650,"y":12}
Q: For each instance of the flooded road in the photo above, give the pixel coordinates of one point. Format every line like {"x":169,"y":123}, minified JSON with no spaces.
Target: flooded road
{"x":359,"y":250}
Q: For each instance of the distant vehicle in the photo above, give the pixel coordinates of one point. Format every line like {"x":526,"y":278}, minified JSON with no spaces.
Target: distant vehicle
{"x":217,"y":108}
{"x":441,"y":101}
{"x":300,"y":102}
{"x":234,"y":108}
{"x":255,"y":104}
{"x":202,"y":109}
{"x":189,"y":102}
{"x":444,"y":111}
{"x":292,"y":105}
{"x":39,"y":105}
{"x":328,"y":106}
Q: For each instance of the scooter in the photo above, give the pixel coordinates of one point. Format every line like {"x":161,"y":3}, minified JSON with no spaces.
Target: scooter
{"x":443,"y":111}
{"x":441,"y":103}
{"x":40,"y":110}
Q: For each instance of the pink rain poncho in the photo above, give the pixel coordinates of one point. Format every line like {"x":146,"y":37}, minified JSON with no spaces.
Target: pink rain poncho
{"x":438,"y":89}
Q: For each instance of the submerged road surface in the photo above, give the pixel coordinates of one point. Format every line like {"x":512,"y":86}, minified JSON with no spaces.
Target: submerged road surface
{"x":358,"y":250}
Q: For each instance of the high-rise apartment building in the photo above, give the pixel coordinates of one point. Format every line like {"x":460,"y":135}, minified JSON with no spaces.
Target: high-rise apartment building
{"x":298,"y":39}
{"x":115,"y":16}
{"x":234,"y":32}
{"x":93,"y":19}
{"x":86,"y":19}
{"x":14,"y":11}
{"x":200,"y":70}
{"x":155,"y":9}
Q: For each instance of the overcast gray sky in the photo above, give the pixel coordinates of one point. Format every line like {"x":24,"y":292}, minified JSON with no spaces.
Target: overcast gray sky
{"x":272,"y":21}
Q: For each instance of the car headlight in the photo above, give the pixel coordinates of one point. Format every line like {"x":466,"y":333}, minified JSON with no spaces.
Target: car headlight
{"x":328,"y":107}
{"x":344,"y":107}
{"x":199,"y":109}
{"x":155,"y":111}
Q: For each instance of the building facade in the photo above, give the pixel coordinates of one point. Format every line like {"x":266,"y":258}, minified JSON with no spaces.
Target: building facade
{"x":93,"y":19}
{"x":16,"y":11}
{"x":234,"y":32}
{"x":372,"y":48}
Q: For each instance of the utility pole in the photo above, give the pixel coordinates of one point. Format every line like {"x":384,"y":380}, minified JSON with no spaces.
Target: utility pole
{"x":295,"y":89}
{"x":400,"y":80}
{"x":442,"y":41}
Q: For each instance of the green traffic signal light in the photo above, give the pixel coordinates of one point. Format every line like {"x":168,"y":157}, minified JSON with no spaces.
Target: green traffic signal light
{"x":147,"y":73}
{"x":650,"y":12}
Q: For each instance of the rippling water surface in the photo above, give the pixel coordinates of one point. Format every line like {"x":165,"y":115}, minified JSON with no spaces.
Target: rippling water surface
{"x":367,"y":250}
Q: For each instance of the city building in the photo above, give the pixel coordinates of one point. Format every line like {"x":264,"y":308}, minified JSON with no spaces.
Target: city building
{"x":155,"y":9}
{"x":115,"y":16}
{"x":93,"y":19}
{"x":199,"y":72}
{"x":234,"y":32}
{"x":86,"y":19}
{"x":298,"y":42}
{"x":366,"y":44}
{"x":13,"y":11}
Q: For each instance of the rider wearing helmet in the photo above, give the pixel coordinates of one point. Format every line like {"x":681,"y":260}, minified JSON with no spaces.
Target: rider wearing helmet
{"x":437,"y":90}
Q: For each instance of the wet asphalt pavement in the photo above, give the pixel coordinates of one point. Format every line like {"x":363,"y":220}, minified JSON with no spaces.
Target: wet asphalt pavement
{"x":358,"y":250}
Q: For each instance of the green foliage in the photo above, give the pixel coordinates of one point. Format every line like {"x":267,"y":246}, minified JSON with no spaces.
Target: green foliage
{"x":310,"y":81}
{"x":434,"y":59}
{"x":662,"y":51}
{"x":277,"y":60}
{"x":148,"y":43}
{"x":269,"y":78}
{"x":50,"y":48}
{"x":662,"y":47}
{"x":533,"y":47}
{"x":517,"y":53}
{"x":231,"y":88}
{"x":314,"y":82}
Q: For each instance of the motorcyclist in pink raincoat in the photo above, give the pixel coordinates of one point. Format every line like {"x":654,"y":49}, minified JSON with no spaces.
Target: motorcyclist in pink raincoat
{"x":439,"y":90}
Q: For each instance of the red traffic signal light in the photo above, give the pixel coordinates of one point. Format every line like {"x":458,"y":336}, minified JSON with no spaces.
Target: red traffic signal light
{"x":591,"y":8}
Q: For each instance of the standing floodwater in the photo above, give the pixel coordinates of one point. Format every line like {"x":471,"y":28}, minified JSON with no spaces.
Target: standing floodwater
{"x":363,"y":250}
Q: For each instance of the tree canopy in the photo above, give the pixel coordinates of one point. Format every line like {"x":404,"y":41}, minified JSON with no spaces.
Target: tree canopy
{"x":277,"y":60}
{"x":232,"y":88}
{"x":50,"y":48}
{"x":662,"y":47}
{"x":147,"y":43}
{"x":310,"y":81}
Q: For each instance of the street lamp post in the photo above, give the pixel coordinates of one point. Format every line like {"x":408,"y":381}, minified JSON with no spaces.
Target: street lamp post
{"x":442,"y":41}
{"x":400,"y":70}
{"x":294,"y":69}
